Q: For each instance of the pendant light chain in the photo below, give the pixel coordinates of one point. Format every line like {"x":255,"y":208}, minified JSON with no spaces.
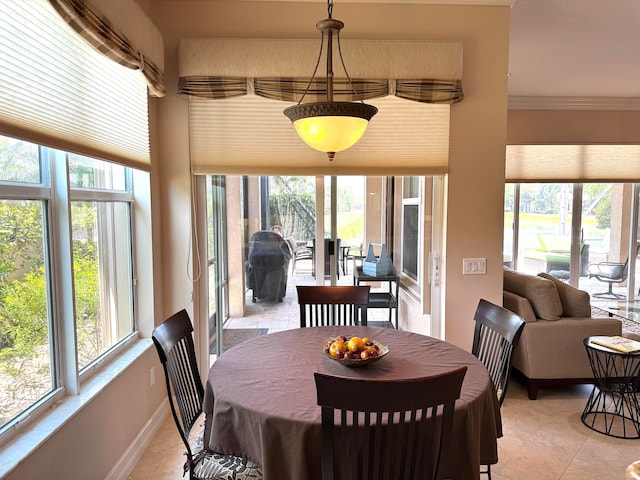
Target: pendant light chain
{"x":344,"y":67}
{"x":315,"y":70}
{"x":329,"y":126}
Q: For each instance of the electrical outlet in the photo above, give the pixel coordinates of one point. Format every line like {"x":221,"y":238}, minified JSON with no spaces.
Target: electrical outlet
{"x":152,"y":376}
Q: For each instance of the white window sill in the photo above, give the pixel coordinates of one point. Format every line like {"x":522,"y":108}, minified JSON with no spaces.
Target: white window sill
{"x":24,"y":443}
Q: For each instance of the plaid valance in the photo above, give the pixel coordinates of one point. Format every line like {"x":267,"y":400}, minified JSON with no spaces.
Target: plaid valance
{"x":293,"y":89}
{"x":97,"y":29}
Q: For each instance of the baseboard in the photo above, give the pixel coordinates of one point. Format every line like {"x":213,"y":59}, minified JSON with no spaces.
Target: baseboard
{"x":134,"y":452}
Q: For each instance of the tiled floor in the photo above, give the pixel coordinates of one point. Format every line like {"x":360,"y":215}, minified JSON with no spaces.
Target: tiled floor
{"x":543,"y":439}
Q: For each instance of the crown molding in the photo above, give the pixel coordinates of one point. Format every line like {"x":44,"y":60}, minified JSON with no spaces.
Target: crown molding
{"x":573,"y":103}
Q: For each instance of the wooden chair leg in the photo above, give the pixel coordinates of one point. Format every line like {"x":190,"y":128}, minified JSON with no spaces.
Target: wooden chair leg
{"x":487,"y":472}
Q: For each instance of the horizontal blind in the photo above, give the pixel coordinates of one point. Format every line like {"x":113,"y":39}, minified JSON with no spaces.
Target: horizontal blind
{"x":251,"y":135}
{"x":572,"y":163}
{"x":56,"y":90}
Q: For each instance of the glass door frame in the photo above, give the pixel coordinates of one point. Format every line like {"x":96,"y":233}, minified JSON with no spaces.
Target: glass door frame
{"x":577,"y":231}
{"x":201,"y":263}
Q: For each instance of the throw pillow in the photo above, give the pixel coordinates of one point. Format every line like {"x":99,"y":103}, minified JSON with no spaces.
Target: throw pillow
{"x":520,"y":305}
{"x":541,"y":293}
{"x":575,"y":302}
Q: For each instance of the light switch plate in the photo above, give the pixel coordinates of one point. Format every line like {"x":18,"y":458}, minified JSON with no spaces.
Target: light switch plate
{"x":474,"y":266}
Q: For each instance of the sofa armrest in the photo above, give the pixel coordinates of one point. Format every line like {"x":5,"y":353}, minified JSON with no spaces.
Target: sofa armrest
{"x":519,"y":305}
{"x":556,"y":350}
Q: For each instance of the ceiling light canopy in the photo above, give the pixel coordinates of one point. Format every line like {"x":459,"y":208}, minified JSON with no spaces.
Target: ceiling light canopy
{"x":330,"y":126}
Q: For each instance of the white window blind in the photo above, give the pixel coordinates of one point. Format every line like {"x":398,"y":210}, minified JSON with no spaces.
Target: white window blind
{"x":572,"y":163}
{"x":251,"y":135}
{"x":56,"y":90}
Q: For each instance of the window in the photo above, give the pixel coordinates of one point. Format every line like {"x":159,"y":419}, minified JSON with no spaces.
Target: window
{"x":37,"y":278}
{"x":411,"y":199}
{"x":564,"y":228}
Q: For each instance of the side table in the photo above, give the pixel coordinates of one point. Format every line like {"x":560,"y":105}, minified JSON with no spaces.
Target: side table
{"x":612,"y":408}
{"x":387,"y":299}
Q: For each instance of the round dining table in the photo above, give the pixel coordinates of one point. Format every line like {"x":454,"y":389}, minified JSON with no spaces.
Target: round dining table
{"x":260,"y":398}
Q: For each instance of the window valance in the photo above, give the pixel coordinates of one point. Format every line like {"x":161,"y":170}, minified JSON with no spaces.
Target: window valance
{"x":238,"y":88}
{"x":428,"y":72}
{"x":121,"y":31}
{"x":293,"y":89}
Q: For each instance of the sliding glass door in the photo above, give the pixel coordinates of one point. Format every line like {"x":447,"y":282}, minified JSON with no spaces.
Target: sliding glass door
{"x":575,"y":232}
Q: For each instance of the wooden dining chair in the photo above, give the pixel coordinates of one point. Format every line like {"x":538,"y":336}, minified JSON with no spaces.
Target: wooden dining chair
{"x":174,"y":342}
{"x":333,"y":305}
{"x":495,"y":337}
{"x":387,"y":429}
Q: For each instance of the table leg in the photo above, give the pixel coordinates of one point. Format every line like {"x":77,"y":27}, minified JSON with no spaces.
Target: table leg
{"x":612,"y":408}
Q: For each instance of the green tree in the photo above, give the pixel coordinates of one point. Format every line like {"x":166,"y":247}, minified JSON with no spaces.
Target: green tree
{"x":19,"y":161}
{"x":24,"y":320}
{"x":602,"y":212}
{"x":21,"y":260}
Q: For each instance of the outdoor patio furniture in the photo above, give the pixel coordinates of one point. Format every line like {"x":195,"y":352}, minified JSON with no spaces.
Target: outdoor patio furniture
{"x":610,"y":273}
{"x":299,"y":252}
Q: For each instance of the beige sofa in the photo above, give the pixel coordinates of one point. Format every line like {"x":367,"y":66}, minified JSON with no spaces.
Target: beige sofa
{"x":558,"y":319}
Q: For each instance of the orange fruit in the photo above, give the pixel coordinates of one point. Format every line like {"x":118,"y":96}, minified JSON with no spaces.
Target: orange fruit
{"x":337,"y":346}
{"x":355,"y":345}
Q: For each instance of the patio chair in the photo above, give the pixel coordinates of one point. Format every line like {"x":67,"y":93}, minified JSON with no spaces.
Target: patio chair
{"x":353,"y":254}
{"x":298,"y":252}
{"x":387,"y":429}
{"x":333,"y":305}
{"x":609,"y":273}
{"x":496,"y":334}
{"x":174,"y":342}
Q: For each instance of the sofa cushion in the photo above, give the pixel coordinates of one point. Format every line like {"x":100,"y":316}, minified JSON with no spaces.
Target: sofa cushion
{"x":541,"y":293}
{"x":575,"y":302}
{"x":556,"y":349}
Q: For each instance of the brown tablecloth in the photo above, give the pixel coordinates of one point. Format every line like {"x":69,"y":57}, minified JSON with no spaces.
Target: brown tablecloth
{"x":260,"y":398}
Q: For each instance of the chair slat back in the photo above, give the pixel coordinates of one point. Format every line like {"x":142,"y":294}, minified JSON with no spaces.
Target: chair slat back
{"x":382,"y":430}
{"x":333,"y":305}
{"x":496,"y":335}
{"x":174,"y":343}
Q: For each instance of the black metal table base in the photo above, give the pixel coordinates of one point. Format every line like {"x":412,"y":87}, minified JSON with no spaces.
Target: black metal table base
{"x":613,"y":408}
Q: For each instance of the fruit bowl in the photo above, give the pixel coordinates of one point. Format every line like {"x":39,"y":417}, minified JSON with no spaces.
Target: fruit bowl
{"x":382,"y":350}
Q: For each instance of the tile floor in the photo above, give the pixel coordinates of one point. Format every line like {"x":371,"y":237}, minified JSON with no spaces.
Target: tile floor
{"x":543,"y":439}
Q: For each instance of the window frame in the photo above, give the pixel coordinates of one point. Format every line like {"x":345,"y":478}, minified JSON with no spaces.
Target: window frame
{"x":410,"y":198}
{"x":56,"y":194}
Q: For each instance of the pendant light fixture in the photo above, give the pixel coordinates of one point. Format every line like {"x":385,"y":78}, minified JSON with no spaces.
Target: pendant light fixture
{"x":330,"y":126}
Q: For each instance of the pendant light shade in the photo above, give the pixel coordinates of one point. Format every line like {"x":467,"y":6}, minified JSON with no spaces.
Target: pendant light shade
{"x":330,"y":126}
